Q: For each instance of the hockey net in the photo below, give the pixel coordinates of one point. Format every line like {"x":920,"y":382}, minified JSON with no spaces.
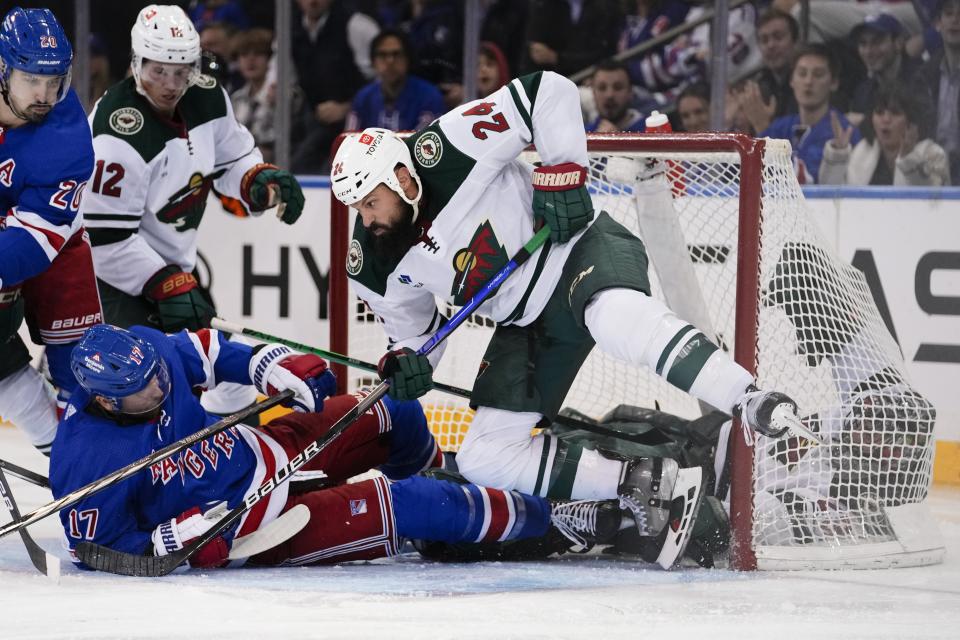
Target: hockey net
{"x":733,"y":251}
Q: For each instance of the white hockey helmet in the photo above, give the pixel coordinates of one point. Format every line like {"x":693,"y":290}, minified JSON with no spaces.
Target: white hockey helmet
{"x":164,"y":33}
{"x":367,"y":159}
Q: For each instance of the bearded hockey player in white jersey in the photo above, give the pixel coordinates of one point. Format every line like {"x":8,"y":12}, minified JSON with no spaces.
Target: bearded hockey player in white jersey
{"x":46,"y":270}
{"x":163,"y":139}
{"x":441,"y":211}
{"x":137,"y":396}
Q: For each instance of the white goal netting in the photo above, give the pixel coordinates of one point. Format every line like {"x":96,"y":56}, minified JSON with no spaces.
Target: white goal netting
{"x":817,"y":336}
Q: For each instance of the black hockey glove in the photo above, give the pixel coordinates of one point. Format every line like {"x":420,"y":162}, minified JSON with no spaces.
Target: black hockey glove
{"x":561,"y":199}
{"x":180,"y":302}
{"x":762,"y":412}
{"x":255,"y":188}
{"x":410,"y":375}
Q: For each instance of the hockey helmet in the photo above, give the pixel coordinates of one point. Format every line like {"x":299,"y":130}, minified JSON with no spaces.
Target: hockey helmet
{"x":367,"y":159}
{"x":32,"y":43}
{"x":114,"y":363}
{"x":164,"y":33}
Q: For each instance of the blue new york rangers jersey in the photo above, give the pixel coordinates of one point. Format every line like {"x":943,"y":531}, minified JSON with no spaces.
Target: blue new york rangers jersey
{"x":43,"y":169}
{"x":89,"y":445}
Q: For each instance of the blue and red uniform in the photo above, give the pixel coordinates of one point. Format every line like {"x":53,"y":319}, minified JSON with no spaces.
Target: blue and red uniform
{"x":348,"y":521}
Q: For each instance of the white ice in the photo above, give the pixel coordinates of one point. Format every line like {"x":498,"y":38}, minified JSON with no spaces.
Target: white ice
{"x":576,"y":597}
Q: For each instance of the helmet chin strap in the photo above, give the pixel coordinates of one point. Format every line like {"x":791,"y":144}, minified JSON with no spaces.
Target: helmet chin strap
{"x":416,"y":199}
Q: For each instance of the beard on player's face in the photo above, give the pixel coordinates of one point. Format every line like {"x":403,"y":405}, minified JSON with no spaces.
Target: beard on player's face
{"x":392,"y":240}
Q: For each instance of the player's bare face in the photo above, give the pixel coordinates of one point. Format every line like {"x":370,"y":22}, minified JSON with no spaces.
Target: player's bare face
{"x":32,"y":95}
{"x":165,"y":84}
{"x":389,"y":220}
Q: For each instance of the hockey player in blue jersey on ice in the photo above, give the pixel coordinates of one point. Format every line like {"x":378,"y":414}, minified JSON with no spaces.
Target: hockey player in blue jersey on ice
{"x":46,"y":267}
{"x":137,"y":394}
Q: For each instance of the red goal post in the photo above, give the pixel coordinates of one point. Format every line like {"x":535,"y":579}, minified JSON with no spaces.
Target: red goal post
{"x":753,"y":273}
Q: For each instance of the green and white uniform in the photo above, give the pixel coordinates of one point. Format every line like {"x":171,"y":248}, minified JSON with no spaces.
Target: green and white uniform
{"x":475,"y":213}
{"x":149,"y":188}
{"x":148,"y":192}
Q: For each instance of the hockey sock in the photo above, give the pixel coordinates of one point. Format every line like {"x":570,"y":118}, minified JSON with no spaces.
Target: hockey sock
{"x":566,"y":471}
{"x":412,"y":446}
{"x":26,"y":401}
{"x":428,"y":509}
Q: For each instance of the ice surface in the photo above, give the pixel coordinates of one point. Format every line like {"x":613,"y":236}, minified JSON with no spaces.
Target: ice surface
{"x":585,"y":597}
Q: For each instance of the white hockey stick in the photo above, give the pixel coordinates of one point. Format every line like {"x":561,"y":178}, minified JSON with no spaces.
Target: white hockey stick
{"x":287,"y":525}
{"x":783,"y":414}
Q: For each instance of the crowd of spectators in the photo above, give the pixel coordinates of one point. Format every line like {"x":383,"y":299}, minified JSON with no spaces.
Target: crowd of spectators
{"x":871,"y":95}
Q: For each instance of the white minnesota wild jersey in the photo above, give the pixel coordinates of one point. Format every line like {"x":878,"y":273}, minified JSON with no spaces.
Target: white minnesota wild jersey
{"x":152,"y":175}
{"x":476,"y":212}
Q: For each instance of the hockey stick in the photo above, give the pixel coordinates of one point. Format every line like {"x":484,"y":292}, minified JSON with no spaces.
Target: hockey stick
{"x":231,"y":327}
{"x":106,"y":559}
{"x":47,"y":564}
{"x":277,"y":531}
{"x":121,"y":474}
{"x":25,"y":474}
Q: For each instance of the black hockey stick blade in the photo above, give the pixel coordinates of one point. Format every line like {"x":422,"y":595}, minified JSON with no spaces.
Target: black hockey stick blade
{"x":45,"y":563}
{"x":25,"y":474}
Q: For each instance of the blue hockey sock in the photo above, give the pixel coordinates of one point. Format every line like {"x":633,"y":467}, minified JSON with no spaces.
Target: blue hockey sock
{"x":412,"y":446}
{"x":430,"y":509}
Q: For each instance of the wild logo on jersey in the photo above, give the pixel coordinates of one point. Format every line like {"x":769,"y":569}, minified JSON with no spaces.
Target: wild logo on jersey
{"x":477,"y":263}
{"x":184,"y":209}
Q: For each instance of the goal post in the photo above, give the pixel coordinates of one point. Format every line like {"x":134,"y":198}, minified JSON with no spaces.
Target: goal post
{"x":733,"y":250}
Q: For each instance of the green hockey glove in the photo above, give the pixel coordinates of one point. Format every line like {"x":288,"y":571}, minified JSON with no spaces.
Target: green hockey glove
{"x":410,"y":375}
{"x":180,"y":302}
{"x":561,"y":199}
{"x":256,"y":186}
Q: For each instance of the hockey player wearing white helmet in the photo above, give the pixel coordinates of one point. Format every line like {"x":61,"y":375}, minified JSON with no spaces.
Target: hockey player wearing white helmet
{"x":442,"y":211}
{"x":163,"y":139}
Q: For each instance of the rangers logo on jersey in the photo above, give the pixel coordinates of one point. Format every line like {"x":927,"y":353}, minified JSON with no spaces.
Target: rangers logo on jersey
{"x":477,"y":263}
{"x":126,"y":121}
{"x":428,"y":149}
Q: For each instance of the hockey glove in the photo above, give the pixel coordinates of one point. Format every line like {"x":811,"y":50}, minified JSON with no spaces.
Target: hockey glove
{"x":769,"y":413}
{"x":256,"y":190}
{"x":561,"y":200}
{"x":410,"y":375}
{"x":275,"y":368}
{"x":178,"y":532}
{"x":179,"y":300}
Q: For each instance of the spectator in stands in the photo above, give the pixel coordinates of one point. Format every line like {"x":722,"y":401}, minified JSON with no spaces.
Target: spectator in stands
{"x":833,"y":19}
{"x":895,"y":150}
{"x":648,"y":19}
{"x":693,"y":108}
{"x":567,"y":37}
{"x":396,"y":100}
{"x":225,"y":11}
{"x":493,"y":71}
{"x":940,"y":77}
{"x":767,"y":95}
{"x":880,"y":39}
{"x":813,"y":78}
{"x":101,"y":77}
{"x":612,"y":93}
{"x":331,"y":50}
{"x":253,"y":102}
{"x":216,"y":41}
{"x":505,"y":25}
{"x":435,"y":28}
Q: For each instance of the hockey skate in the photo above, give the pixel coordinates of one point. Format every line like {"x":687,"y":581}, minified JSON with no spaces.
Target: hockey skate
{"x":587,"y":522}
{"x":663,"y":500}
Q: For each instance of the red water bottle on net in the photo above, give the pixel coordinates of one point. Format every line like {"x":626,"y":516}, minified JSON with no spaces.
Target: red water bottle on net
{"x":658,"y":122}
